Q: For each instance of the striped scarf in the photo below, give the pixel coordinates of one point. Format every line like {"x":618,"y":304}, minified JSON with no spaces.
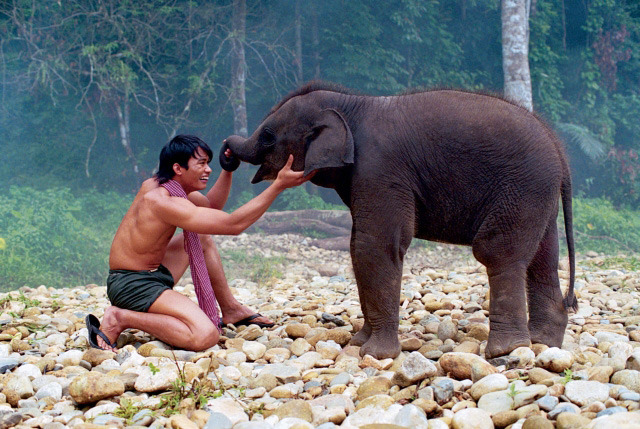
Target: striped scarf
{"x":199,"y":274}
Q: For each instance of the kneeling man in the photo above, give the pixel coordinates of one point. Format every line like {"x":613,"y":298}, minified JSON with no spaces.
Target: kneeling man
{"x":147,"y":258}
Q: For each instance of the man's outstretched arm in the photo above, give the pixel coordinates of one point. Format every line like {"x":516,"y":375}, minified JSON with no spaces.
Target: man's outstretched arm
{"x":184,"y":214}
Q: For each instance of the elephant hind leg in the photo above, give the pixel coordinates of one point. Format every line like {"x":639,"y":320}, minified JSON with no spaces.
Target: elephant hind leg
{"x":547,"y":314}
{"x":506,"y":256}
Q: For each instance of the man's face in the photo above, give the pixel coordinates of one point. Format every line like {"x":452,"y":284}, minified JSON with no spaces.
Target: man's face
{"x":196,"y":176}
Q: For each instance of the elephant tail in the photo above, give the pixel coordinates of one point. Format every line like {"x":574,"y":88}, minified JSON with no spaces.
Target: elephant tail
{"x":570,"y":300}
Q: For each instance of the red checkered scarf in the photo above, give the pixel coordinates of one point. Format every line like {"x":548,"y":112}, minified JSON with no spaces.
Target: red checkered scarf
{"x":199,"y":274}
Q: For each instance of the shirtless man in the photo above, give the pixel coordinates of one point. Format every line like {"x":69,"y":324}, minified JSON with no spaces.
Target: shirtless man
{"x":147,"y":259}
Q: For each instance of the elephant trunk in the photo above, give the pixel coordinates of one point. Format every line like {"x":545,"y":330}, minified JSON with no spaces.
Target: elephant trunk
{"x":243,"y":150}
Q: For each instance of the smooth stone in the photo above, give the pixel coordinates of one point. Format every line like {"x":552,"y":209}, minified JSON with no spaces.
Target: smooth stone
{"x":342,"y":378}
{"x":504,"y":418}
{"x":629,"y":378}
{"x":612,"y":410}
{"x":229,"y":408}
{"x":555,"y":359}
{"x":472,"y":418}
{"x":571,"y":421}
{"x":496,"y":402}
{"x":7,"y":364}
{"x":28,"y":370}
{"x":583,"y":393}
{"x":618,"y":421}
{"x":463,"y":365}
{"x":295,"y":408}
{"x":149,"y":382}
{"x":547,"y":402}
{"x":52,"y":390}
{"x":537,"y":422}
{"x":488,"y":384}
{"x":218,"y":421}
{"x":16,"y":388}
{"x":411,"y":416}
{"x":564,"y":407}
{"x":94,"y":386}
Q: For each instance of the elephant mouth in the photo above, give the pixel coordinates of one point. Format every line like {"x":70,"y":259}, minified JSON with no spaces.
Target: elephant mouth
{"x":265,"y":172}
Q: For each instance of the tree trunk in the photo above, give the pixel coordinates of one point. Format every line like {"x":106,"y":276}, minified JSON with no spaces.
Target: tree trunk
{"x":316,"y":40}
{"x":331,"y":223}
{"x":125,"y":133}
{"x":238,"y":69}
{"x":515,"y":52}
{"x":298,"y":44}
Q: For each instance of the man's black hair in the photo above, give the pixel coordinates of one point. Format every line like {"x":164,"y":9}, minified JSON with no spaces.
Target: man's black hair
{"x":179,"y":149}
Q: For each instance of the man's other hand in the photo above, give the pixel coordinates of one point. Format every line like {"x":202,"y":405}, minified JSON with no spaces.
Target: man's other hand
{"x":227,"y":160}
{"x":287,"y":178}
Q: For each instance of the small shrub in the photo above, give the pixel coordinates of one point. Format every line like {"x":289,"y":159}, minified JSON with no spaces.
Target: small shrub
{"x":56,"y":238}
{"x":600,"y":227}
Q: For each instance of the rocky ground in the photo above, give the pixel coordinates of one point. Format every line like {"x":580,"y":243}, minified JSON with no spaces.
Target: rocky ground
{"x":303,"y":374}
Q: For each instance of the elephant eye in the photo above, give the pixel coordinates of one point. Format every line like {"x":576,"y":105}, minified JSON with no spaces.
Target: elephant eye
{"x":267,"y":137}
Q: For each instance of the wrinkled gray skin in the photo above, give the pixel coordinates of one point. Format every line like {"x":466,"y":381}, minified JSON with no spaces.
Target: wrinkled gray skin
{"x":446,"y":166}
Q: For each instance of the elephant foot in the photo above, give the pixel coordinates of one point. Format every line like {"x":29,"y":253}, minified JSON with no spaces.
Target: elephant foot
{"x":500,"y":344}
{"x":361,"y":337}
{"x":550,"y":334}
{"x":382,"y":346}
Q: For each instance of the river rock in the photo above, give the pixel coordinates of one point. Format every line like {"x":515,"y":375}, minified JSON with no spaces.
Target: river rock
{"x":94,"y":386}
{"x":463,"y":365}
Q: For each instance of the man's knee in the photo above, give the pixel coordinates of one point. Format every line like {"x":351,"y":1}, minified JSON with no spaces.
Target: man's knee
{"x":205,"y":338}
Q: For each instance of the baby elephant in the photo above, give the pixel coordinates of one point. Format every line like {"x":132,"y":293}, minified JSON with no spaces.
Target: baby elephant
{"x":448,"y":166}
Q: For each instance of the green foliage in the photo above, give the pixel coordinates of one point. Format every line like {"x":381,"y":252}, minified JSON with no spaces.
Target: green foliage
{"x":255,"y":267}
{"x":154,"y":369}
{"x":299,"y":199}
{"x":567,"y":376}
{"x":127,"y":410}
{"x":629,"y":263}
{"x":199,"y":391}
{"x":600,"y":227}
{"x":52,"y":237}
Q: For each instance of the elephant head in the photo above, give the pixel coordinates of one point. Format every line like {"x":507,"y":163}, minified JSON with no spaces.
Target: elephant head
{"x":319,"y":138}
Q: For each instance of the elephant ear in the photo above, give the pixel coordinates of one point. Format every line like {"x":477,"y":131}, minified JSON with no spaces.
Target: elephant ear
{"x":330,"y":145}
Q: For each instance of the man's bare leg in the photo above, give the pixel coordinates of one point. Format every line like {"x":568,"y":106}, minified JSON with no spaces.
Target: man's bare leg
{"x":173,"y":318}
{"x":177,"y":261}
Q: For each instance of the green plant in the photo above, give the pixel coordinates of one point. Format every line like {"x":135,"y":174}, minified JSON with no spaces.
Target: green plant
{"x":512,"y":393}
{"x":198,"y":390}
{"x":568,"y":376}
{"x":154,"y":369}
{"x":127,"y":410}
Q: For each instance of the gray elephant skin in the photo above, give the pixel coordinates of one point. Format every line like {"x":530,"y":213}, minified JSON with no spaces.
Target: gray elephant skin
{"x":448,"y":166}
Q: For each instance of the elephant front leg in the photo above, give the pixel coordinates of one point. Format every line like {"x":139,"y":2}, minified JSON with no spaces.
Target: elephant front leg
{"x":547,"y":314}
{"x":377,"y":265}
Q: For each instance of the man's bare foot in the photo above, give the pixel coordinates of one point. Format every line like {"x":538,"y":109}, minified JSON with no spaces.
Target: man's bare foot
{"x":234,"y":315}
{"x":110,"y":327}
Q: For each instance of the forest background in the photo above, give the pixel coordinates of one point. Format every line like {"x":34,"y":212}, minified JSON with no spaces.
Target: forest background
{"x":92,"y":89}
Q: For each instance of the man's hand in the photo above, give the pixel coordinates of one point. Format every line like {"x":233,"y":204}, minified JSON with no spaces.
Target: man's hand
{"x":287,"y":178}
{"x":227,"y":160}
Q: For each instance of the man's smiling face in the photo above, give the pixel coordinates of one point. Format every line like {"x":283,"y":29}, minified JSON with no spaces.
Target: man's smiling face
{"x":196,"y":176}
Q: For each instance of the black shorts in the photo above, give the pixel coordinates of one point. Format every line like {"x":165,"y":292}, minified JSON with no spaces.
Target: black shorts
{"x":137,"y":290}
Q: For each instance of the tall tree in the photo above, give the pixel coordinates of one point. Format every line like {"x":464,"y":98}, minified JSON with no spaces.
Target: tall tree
{"x":515,"y":52}
{"x":298,"y":30}
{"x":238,"y":69}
